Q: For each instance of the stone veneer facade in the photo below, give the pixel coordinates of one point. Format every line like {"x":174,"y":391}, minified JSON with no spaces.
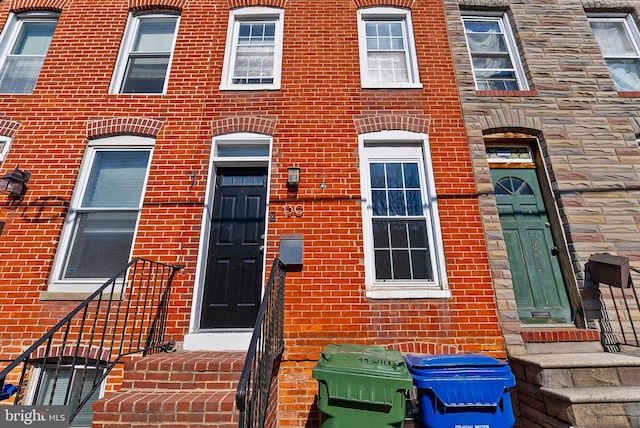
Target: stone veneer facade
{"x":586,"y":132}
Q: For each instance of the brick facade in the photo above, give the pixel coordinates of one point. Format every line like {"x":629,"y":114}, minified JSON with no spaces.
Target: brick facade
{"x":314,"y":119}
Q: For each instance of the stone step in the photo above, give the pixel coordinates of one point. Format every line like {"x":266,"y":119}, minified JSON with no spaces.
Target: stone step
{"x":611,"y":407}
{"x":577,"y":370}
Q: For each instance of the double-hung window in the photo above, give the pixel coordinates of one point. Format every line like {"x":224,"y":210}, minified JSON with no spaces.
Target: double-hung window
{"x":253,"y":57}
{"x":404,"y":255}
{"x":145,"y":55}
{"x":387,"y":48}
{"x":23,"y":48}
{"x":619,"y":42}
{"x":67,"y":385}
{"x":98,"y":235}
{"x":494,"y":56}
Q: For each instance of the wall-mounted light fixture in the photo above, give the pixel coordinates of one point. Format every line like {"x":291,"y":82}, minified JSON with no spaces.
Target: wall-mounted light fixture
{"x":293,"y":177}
{"x":14,"y":183}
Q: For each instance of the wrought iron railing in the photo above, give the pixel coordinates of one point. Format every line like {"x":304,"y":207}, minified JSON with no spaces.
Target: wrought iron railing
{"x":126,"y":315}
{"x":626,"y":312}
{"x":267,"y":345}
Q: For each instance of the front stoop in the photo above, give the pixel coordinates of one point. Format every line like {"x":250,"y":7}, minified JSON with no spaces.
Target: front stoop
{"x":177,"y":390}
{"x":582,"y":390}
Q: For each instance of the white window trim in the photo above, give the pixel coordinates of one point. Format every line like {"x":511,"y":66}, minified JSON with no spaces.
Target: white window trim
{"x":403,"y":15}
{"x":402,"y":145}
{"x":247,"y":14}
{"x":83,"y":285}
{"x":12,"y":29}
{"x":630,"y":25}
{"x":125,"y":49}
{"x":5,"y":143}
{"x":514,"y":54}
{"x":36,"y":375}
{"x":223,"y":339}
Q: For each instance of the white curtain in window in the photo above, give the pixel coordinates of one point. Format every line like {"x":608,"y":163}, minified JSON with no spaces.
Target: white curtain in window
{"x":613,"y":38}
{"x":155,"y":35}
{"x":116,"y":179}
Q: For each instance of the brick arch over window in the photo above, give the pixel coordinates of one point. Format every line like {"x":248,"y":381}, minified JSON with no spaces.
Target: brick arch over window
{"x":80,"y":353}
{"x":257,"y":124}
{"x":140,"y":5}
{"x":123,"y":126}
{"x":422,"y":348}
{"x":19,"y":6}
{"x":246,"y":3}
{"x":385,"y":122}
{"x":8,"y":128}
{"x":394,"y":3}
{"x":507,"y":118}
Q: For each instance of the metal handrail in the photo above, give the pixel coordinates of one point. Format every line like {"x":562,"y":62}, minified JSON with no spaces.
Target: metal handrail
{"x":126,"y":315}
{"x":267,"y":345}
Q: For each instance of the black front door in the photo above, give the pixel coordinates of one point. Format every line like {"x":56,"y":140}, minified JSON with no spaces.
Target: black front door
{"x":233,"y":280}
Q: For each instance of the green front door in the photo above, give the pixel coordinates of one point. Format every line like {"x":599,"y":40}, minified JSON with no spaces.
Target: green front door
{"x":540,"y":291}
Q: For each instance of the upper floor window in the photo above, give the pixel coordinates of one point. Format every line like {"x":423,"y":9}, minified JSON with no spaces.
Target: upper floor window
{"x":103,"y":215}
{"x":494,"y":56}
{"x":5,"y":142}
{"x":23,"y":48}
{"x":145,"y":54}
{"x":403,"y":244}
{"x":253,"y":57}
{"x":387,"y":49}
{"x":619,"y":42}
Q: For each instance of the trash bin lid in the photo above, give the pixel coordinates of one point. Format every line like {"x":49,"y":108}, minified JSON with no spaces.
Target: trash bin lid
{"x":369,"y":375}
{"x":363,"y":359}
{"x":461,"y":380}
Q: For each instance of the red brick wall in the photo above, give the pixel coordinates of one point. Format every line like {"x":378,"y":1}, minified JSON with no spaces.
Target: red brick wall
{"x":313,"y":118}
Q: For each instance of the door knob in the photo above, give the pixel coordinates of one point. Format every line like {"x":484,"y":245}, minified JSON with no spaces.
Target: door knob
{"x":554,"y":251}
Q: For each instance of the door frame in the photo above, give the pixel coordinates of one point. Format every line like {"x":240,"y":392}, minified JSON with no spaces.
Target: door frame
{"x":537,"y":162}
{"x":225,"y":339}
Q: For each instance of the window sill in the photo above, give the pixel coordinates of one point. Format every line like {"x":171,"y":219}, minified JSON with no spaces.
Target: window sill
{"x":392,"y":86}
{"x":507,"y":93}
{"x":249,"y":87}
{"x":407,"y":293}
{"x":629,"y":94}
{"x":72,"y":296}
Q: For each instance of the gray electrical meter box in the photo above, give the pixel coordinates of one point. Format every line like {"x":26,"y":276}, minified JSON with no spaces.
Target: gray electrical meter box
{"x":291,"y":250}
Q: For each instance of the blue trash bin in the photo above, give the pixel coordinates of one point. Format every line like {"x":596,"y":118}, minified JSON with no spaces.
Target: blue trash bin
{"x":462,"y":391}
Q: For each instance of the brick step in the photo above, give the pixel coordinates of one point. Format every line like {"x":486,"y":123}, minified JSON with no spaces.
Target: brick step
{"x":595,"y":407}
{"x":185,"y":370}
{"x":184,"y":389}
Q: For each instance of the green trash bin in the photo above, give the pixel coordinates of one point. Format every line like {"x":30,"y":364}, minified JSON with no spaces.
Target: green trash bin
{"x":361,"y":386}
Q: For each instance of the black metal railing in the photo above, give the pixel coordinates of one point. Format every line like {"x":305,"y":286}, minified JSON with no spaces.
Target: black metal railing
{"x":267,"y":345}
{"x":626,"y":308}
{"x":126,"y":315}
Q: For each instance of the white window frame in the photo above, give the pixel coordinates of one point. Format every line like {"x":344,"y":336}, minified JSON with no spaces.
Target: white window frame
{"x":124,"y":142}
{"x":514,"y":55}
{"x":632,"y":32}
{"x":248,"y":14}
{"x":5,"y":143}
{"x":197,"y":339}
{"x":11,"y":31}
{"x":40,"y":371}
{"x":388,"y":14}
{"x":131,"y":31}
{"x":388,"y":146}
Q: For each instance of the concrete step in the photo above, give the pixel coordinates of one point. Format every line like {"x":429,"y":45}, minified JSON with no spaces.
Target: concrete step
{"x":580,"y":390}
{"x":182,"y":389}
{"x":617,"y":407}
{"x":577,"y":370}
